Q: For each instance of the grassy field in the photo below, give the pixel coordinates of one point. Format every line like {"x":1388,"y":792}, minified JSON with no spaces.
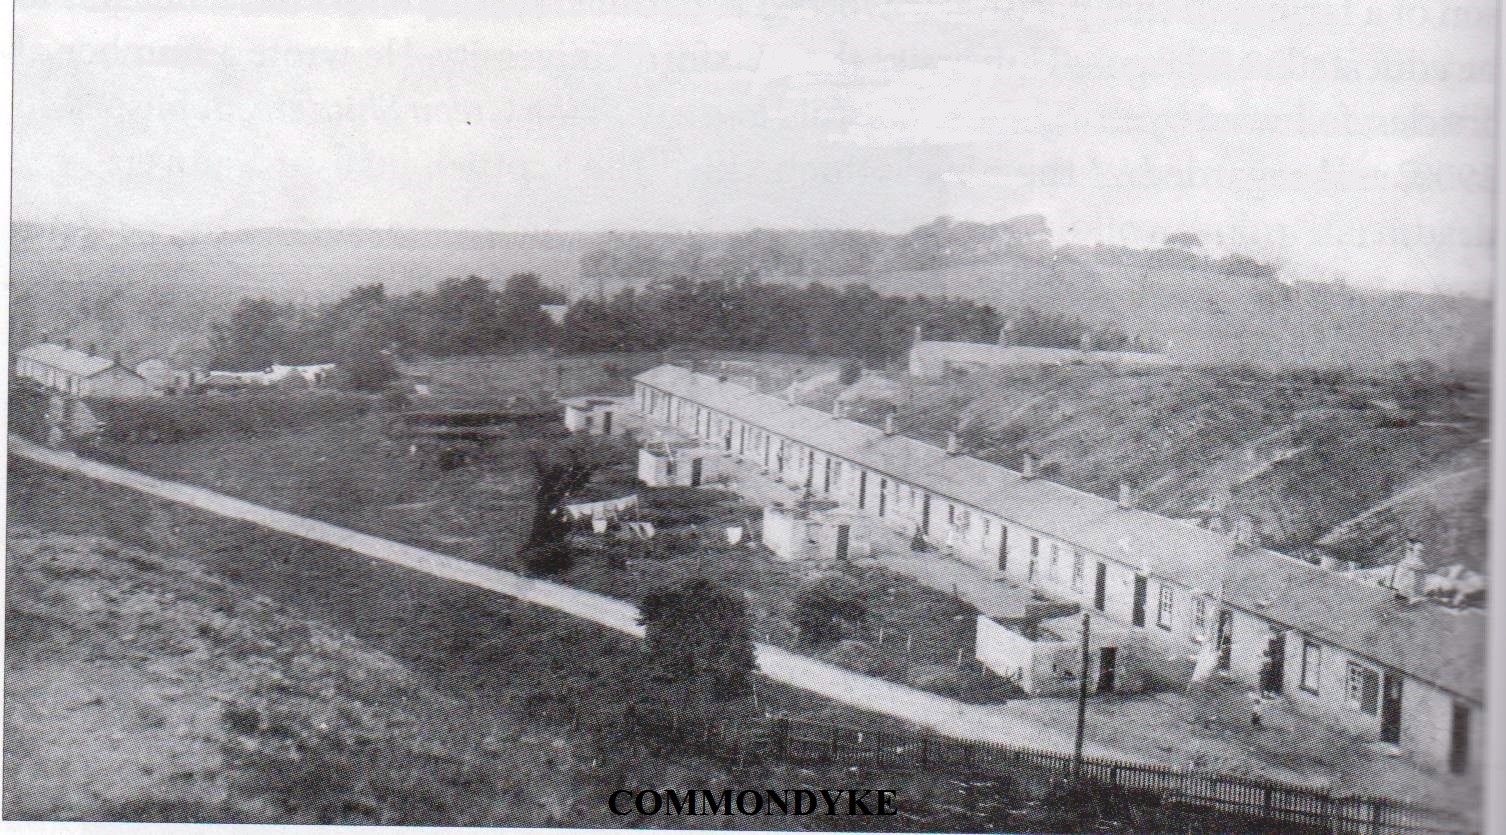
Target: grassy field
{"x":348,"y":473}
{"x":168,"y":665}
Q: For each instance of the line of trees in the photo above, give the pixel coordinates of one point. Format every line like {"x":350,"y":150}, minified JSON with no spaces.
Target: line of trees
{"x":362,"y":330}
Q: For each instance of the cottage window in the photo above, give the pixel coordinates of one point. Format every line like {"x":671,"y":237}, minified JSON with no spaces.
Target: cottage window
{"x":1200,"y":616}
{"x":1362,"y":688}
{"x":1055,"y":569}
{"x":1035,"y":546}
{"x":1077,"y":571}
{"x":1164,"y":603}
{"x":1312,"y":659}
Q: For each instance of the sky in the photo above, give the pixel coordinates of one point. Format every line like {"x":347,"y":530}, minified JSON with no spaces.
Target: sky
{"x":1344,"y":138}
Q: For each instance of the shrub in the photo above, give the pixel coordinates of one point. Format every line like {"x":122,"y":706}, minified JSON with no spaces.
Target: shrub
{"x":549,"y":559}
{"x":826,"y":607}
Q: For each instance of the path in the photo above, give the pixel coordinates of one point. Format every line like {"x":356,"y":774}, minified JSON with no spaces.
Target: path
{"x":946,"y":716}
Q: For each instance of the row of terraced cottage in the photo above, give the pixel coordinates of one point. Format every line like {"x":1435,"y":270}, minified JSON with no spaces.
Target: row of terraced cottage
{"x":1382,"y":662}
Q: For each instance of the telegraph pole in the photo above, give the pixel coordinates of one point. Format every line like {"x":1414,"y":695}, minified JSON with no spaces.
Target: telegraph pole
{"x":1082,"y":700}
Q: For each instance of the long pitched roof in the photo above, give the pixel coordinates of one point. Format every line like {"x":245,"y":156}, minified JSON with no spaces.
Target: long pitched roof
{"x":1442,"y":646}
{"x":70,"y":360}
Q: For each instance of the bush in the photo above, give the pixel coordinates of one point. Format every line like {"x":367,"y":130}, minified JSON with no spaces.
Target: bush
{"x":826,"y":607}
{"x":548,"y":560}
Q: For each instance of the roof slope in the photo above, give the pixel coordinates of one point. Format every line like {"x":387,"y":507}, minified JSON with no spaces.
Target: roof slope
{"x":1442,"y":646}
{"x":70,"y":360}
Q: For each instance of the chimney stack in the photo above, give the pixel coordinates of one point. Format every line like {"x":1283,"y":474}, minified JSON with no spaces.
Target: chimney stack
{"x":68,"y":342}
{"x":952,"y":447}
{"x":93,"y":349}
{"x":837,"y":410}
{"x":1086,"y":342}
{"x":889,"y":424}
{"x":1126,"y":494}
{"x":1028,"y":463}
{"x":1244,"y":532}
{"x":117,"y":356}
{"x":919,"y":333}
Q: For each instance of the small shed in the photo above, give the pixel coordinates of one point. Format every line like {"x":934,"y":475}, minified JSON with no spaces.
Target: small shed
{"x":810,"y":531}
{"x":600,"y":415}
{"x":1043,"y":656}
{"x":678,"y":464}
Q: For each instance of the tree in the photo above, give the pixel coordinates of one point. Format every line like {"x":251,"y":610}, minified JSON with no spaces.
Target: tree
{"x":258,"y":334}
{"x":546,"y":551}
{"x":826,"y":607}
{"x":700,"y":637}
{"x":1184,"y":240}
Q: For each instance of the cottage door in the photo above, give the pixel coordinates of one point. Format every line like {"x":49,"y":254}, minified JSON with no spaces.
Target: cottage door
{"x":1458,"y":751}
{"x":1275,"y":659}
{"x":1390,"y":730}
{"x":1225,"y":635}
{"x":1139,"y":610}
{"x":606,"y":423}
{"x":1107,"y":658}
{"x":925,"y":514}
{"x":695,"y":472}
{"x":844,"y":532}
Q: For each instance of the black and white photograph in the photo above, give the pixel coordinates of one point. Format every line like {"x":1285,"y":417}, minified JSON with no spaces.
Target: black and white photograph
{"x":929,"y":416}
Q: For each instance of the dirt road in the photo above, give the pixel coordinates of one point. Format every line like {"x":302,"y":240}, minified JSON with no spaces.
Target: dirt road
{"x":945,"y":716}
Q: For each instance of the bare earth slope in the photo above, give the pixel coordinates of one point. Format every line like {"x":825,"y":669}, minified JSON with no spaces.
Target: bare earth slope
{"x":1350,"y":465}
{"x":140,"y":687}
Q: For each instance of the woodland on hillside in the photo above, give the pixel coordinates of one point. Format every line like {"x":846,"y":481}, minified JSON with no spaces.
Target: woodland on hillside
{"x":468,"y":316}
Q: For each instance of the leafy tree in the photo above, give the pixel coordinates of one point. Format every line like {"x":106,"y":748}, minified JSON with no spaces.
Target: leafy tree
{"x":1185,"y":240}
{"x":257,"y":335}
{"x":826,"y":607}
{"x":699,"y":635}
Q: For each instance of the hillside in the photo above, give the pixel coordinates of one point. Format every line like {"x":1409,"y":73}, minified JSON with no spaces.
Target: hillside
{"x":139,"y":687}
{"x":1207,"y":309}
{"x":1346,"y":464}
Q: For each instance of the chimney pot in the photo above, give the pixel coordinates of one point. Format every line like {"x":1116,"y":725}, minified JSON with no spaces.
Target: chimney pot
{"x":1126,"y":494}
{"x":952,"y":446}
{"x":117,"y":357}
{"x":889,"y":424}
{"x":93,"y":349}
{"x":837,"y":409}
{"x":1027,"y":465}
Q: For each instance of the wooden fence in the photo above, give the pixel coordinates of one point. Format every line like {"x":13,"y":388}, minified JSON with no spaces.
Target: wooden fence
{"x":809,"y":741}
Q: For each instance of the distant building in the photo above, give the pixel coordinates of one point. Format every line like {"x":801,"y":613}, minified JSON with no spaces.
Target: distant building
{"x":313,"y":375}
{"x":159,"y":373}
{"x":932,"y":359}
{"x":600,"y":415}
{"x":65,"y":369}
